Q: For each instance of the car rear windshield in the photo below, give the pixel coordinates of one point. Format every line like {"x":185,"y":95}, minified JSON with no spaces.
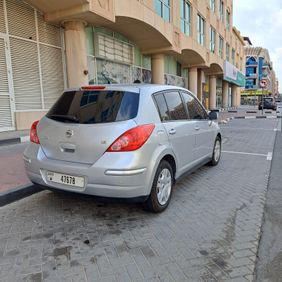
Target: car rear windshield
{"x":90,"y":107}
{"x":269,"y":100}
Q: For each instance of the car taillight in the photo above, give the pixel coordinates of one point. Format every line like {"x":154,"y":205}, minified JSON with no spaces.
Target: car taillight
{"x":33,"y":133}
{"x":132,"y":139}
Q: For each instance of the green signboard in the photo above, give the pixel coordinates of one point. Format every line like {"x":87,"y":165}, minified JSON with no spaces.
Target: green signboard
{"x":233,"y":75}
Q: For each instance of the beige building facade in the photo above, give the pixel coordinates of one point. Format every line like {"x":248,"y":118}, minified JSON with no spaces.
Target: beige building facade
{"x":77,"y":42}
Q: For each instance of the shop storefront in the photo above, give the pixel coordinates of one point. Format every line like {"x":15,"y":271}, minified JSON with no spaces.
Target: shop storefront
{"x":112,"y":58}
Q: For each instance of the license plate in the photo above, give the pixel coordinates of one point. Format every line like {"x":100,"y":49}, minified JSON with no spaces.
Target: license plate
{"x":65,"y":179}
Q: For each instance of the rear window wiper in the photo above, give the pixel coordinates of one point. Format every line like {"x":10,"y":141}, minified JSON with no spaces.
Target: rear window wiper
{"x":65,"y":117}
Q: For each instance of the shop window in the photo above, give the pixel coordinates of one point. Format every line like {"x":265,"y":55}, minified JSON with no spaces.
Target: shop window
{"x":170,"y":65}
{"x":178,"y":69}
{"x":146,"y":62}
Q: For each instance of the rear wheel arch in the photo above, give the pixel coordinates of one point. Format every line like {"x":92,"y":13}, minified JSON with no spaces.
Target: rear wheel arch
{"x":170,"y":159}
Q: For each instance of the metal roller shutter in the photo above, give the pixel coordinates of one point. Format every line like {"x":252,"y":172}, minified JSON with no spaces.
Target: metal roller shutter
{"x":4,"y":84}
{"x":21,"y":19}
{"x":5,"y":109}
{"x":5,"y":112}
{"x":2,"y":18}
{"x":52,"y":74}
{"x":49,"y":34}
{"x":25,"y":67}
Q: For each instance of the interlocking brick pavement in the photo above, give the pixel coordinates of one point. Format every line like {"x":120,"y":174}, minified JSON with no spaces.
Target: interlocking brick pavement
{"x":12,"y":167}
{"x":209,"y":232}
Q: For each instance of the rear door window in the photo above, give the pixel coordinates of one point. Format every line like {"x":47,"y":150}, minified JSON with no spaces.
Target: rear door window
{"x":162,"y":106}
{"x":170,"y":106}
{"x":195,"y":110}
{"x":175,"y":106}
{"x":88,"y":107}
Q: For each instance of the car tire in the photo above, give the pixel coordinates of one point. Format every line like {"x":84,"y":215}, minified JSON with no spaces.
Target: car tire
{"x":216,"y":154}
{"x":161,"y":190}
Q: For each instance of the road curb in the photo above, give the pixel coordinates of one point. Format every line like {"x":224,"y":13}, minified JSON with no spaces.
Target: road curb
{"x":247,"y":117}
{"x":12,"y":141}
{"x":18,"y":193}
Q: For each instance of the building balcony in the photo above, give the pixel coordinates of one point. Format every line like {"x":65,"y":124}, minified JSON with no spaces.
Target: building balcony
{"x":251,"y":75}
{"x":251,"y":64}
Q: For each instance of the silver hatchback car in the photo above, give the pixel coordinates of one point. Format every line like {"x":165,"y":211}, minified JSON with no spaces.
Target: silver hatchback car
{"x":125,"y":141}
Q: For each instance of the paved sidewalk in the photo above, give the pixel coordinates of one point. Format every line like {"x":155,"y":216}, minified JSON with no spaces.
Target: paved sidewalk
{"x":13,"y":137}
{"x":269,"y":266}
{"x":210,"y":231}
{"x":12,"y":173}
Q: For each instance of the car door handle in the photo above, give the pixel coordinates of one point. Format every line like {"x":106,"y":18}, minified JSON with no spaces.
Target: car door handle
{"x":197,"y":128}
{"x":172,"y":131}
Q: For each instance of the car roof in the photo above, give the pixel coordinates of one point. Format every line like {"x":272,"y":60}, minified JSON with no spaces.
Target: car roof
{"x":135,"y":87}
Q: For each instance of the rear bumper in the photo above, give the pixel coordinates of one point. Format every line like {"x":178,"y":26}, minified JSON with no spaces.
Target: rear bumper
{"x":101,"y":179}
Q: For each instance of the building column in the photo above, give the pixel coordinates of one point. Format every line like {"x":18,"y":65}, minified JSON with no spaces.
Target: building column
{"x":225,"y":94}
{"x":238,"y":96}
{"x":212,"y":92}
{"x":201,"y":76}
{"x":76,"y":54}
{"x":158,"y":63}
{"x":193,"y":80}
{"x":233,"y":95}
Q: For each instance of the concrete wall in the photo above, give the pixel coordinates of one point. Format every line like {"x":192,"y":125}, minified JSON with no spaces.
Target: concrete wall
{"x":24,"y":120}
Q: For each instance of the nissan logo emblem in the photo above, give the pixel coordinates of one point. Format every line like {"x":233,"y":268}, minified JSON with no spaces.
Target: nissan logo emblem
{"x":69,"y":133}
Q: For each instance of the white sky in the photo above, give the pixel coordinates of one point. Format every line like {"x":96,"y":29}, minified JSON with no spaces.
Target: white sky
{"x":261,"y":21}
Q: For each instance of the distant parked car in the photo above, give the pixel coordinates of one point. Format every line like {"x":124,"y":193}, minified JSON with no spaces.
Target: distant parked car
{"x":279,"y":109}
{"x":122,"y":141}
{"x":267,"y":103}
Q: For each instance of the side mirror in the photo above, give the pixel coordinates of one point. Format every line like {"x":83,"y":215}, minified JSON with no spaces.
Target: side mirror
{"x":213,"y":115}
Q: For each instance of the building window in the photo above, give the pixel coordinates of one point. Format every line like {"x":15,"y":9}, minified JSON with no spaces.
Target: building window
{"x":221,"y":11}
{"x":227,"y":19}
{"x":212,"y":39}
{"x":233,"y":56}
{"x":212,"y":5}
{"x":162,"y":8}
{"x":201,"y":30}
{"x":185,"y":14}
{"x":227,"y":52}
{"x":220,"y":47}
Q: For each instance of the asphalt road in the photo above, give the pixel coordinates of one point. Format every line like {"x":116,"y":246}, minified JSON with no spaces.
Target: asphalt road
{"x":210,"y":231}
